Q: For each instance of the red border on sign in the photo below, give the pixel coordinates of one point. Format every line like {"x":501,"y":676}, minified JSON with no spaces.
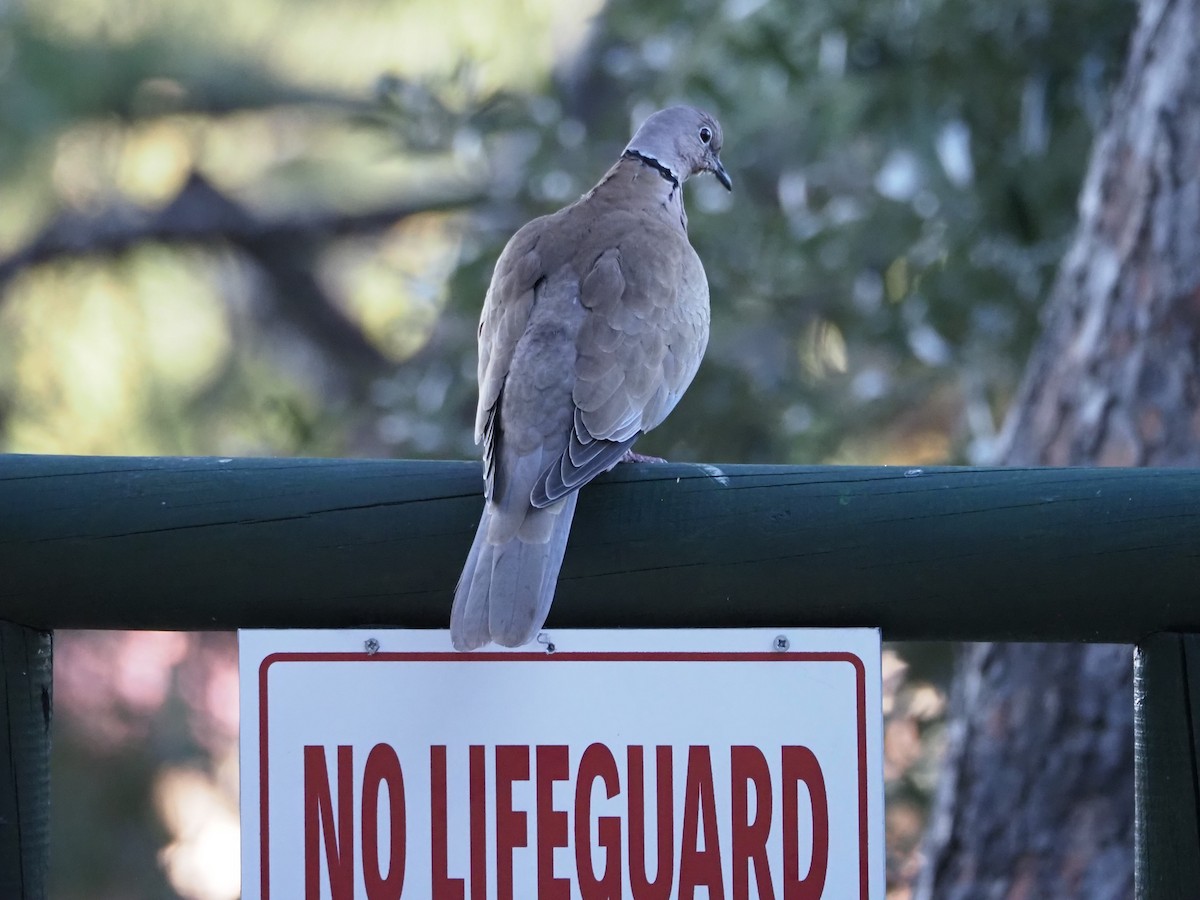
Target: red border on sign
{"x":542,"y":657}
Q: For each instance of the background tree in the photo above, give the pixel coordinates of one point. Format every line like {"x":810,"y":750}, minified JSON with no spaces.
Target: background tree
{"x":1113,"y":381}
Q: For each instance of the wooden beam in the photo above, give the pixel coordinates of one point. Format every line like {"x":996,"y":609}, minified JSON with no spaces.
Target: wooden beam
{"x":936,"y":553}
{"x":25,"y":691}
{"x":1166,"y":716}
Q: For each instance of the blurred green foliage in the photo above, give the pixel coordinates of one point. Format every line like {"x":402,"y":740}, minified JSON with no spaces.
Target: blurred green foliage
{"x":905,"y":180}
{"x":906,"y":175}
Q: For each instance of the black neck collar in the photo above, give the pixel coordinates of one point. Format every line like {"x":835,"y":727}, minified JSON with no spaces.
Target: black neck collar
{"x":654,"y":164}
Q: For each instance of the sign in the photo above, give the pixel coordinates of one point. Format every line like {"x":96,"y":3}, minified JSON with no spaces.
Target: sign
{"x":651,"y":765}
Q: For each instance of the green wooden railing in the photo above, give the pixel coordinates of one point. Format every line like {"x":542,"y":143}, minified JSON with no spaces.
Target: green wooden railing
{"x":928,"y":554}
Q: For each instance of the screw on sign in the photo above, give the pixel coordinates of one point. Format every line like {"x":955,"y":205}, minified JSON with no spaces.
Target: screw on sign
{"x":752,"y":796}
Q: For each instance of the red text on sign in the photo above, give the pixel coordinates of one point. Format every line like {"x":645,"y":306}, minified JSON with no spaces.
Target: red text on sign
{"x":610,"y":852}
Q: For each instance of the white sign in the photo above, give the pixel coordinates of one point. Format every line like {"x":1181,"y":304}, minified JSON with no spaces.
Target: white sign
{"x":650,"y":765}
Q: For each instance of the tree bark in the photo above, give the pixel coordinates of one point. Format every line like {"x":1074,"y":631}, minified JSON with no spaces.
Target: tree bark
{"x":1037,"y":792}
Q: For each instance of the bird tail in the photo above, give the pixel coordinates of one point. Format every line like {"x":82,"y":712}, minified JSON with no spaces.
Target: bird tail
{"x":506,"y":587}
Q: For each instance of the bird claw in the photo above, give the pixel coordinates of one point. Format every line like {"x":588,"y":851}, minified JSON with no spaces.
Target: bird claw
{"x":631,"y":457}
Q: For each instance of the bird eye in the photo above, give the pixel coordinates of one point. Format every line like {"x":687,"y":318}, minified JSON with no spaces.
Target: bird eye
{"x":705,"y":134}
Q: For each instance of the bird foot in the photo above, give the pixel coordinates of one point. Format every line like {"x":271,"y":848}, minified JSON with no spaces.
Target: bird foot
{"x":631,"y":457}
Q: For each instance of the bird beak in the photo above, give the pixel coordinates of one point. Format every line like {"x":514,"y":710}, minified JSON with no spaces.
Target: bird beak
{"x":722,"y":175}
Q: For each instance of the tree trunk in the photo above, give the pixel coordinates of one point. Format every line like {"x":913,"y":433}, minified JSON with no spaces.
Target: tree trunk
{"x":1037,"y":792}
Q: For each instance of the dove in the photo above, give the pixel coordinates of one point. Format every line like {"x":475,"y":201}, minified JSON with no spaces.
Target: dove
{"x":592,"y":328}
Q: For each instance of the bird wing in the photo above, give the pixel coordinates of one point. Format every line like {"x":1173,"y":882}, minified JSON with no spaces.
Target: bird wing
{"x":505,"y":317}
{"x":644,"y":332}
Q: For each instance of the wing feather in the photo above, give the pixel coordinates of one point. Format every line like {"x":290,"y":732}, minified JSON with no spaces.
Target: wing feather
{"x":645,"y":300}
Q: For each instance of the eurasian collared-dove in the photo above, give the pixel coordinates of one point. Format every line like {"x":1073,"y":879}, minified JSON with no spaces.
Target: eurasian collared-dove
{"x":592,"y":328}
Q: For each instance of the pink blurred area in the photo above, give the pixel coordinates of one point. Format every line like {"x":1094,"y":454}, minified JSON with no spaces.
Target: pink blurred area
{"x":145,"y":741}
{"x":110,"y":684}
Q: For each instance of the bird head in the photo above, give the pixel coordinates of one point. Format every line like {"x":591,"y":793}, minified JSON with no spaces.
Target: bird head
{"x":684,"y":140}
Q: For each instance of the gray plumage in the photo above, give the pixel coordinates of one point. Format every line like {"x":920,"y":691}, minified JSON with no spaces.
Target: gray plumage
{"x":592,"y":329}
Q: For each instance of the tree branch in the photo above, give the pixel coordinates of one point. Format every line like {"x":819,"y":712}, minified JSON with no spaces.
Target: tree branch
{"x":200,"y":214}
{"x":282,"y":247}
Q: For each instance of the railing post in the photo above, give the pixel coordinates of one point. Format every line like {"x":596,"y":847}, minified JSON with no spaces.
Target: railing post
{"x":25,"y":702}
{"x":1166,"y":713}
